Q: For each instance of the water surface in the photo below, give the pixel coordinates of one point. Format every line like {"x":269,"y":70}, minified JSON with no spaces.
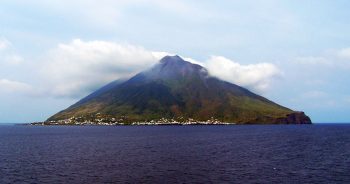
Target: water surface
{"x":175,"y":154}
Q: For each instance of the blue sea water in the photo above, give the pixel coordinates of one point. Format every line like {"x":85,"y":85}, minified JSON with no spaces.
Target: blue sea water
{"x":175,"y":154}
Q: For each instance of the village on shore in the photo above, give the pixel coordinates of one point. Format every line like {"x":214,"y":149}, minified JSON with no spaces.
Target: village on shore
{"x":107,"y":120}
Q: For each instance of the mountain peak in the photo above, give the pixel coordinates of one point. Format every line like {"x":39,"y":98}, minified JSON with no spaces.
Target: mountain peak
{"x":173,"y":67}
{"x":175,"y":58}
{"x":175,"y":89}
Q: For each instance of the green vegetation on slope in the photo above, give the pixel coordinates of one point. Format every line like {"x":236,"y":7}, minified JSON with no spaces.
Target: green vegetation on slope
{"x":178,"y":89}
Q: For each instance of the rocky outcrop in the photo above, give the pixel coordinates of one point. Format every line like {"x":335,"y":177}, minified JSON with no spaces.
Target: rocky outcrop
{"x":294,"y":118}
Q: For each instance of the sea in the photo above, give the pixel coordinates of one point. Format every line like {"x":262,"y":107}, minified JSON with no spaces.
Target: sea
{"x":318,"y":153}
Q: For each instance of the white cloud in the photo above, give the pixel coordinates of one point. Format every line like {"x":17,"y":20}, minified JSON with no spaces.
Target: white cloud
{"x":344,"y":53}
{"x":79,"y":67}
{"x":328,"y":61}
{"x":256,"y":77}
{"x":4,"y":44}
{"x":8,"y":56}
{"x":13,"y":59}
{"x":10,"y":86}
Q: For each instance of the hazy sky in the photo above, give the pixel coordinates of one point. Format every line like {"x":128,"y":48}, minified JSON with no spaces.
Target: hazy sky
{"x":294,"y":52}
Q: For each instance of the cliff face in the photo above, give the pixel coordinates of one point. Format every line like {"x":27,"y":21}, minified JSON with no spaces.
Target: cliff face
{"x":177,"y":89}
{"x":295,"y":118}
{"x":292,"y":118}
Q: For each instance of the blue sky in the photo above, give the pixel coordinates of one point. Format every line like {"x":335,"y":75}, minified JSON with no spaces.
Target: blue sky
{"x":296,"y":53}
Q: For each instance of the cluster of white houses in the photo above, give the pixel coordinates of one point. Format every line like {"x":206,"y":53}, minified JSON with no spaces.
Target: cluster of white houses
{"x":99,"y":119}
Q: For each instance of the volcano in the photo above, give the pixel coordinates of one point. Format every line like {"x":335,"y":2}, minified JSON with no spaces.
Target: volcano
{"x":178,"y":90}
